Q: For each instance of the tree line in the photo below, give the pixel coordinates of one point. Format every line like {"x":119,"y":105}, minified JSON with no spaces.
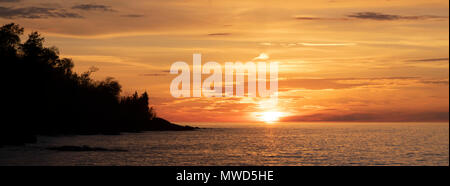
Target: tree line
{"x":44,"y":96}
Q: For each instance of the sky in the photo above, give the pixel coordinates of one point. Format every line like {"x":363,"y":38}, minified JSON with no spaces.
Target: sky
{"x":339,"y":60}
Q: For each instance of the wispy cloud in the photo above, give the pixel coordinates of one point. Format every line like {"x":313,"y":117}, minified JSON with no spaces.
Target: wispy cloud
{"x":308,"y":18}
{"x":262,"y":56}
{"x":327,"y":44}
{"x":389,"y":17}
{"x":340,"y":83}
{"x":132,"y":15}
{"x":372,"y":116}
{"x":95,"y":7}
{"x":435,"y":82}
{"x":219,"y":34}
{"x":307,"y":44}
{"x":311,"y":18}
{"x":370,"y":16}
{"x":9,"y":1}
{"x":429,"y":60}
{"x":36,"y":13}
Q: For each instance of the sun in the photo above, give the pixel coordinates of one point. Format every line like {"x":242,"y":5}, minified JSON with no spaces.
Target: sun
{"x":270,"y":117}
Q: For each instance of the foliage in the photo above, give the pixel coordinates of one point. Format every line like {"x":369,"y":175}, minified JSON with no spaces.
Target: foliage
{"x":45,"y":96}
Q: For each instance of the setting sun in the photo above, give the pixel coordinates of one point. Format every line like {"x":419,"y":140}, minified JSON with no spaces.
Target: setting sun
{"x":270,"y":117}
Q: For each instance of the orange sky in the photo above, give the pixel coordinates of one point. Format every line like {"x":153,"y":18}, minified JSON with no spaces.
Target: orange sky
{"x":340,"y":60}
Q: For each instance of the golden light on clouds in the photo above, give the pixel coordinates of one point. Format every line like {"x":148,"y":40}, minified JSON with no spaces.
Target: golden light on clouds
{"x":262,"y":56}
{"x":347,"y":60}
{"x":270,"y":117}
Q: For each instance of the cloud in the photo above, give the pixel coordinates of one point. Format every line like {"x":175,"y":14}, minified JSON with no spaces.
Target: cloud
{"x":306,"y":44}
{"x":435,"y":82}
{"x":132,"y":15}
{"x":266,"y":44}
{"x":337,"y":83}
{"x":429,"y":60}
{"x":262,"y":56}
{"x":9,"y":1}
{"x":219,"y":34}
{"x":320,"y":84}
{"x":327,"y":44}
{"x":308,"y":18}
{"x":374,"y":15}
{"x":370,"y":16}
{"x":36,"y":13}
{"x":93,"y":7}
{"x":373,"y":117}
{"x":389,"y":17}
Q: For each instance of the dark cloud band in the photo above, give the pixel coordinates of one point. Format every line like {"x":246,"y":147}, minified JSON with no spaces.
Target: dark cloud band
{"x":132,"y":15}
{"x":9,"y":1}
{"x":390,"y":17}
{"x":219,"y":34}
{"x":36,"y":13}
{"x":371,"y":16}
{"x":93,"y":7}
{"x":429,"y":60}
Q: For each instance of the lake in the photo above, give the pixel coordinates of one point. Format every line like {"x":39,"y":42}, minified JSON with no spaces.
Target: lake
{"x":288,"y":144}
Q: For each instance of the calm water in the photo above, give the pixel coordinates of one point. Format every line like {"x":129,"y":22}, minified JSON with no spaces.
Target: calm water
{"x":287,"y":144}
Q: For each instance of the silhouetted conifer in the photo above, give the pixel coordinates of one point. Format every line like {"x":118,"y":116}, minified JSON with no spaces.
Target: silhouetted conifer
{"x":44,"y":96}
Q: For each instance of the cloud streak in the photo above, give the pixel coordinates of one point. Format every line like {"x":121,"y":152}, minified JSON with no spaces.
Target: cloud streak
{"x":306,"y":18}
{"x":327,"y":44}
{"x":133,"y":15}
{"x":36,"y":13}
{"x":262,"y":56}
{"x":338,"y":83}
{"x":377,"y":16}
{"x":9,"y":1}
{"x":219,"y":34}
{"x":429,"y":60}
{"x":389,"y":17}
{"x":93,"y":7}
{"x":372,"y":117}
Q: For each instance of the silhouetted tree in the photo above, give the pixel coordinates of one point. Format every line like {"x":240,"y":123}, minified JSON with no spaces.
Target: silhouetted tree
{"x":44,"y":95}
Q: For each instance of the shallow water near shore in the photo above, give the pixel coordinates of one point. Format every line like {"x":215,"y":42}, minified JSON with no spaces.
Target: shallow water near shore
{"x":292,"y":144}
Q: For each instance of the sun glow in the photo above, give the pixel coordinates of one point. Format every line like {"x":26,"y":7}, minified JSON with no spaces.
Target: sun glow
{"x":270,"y":117}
